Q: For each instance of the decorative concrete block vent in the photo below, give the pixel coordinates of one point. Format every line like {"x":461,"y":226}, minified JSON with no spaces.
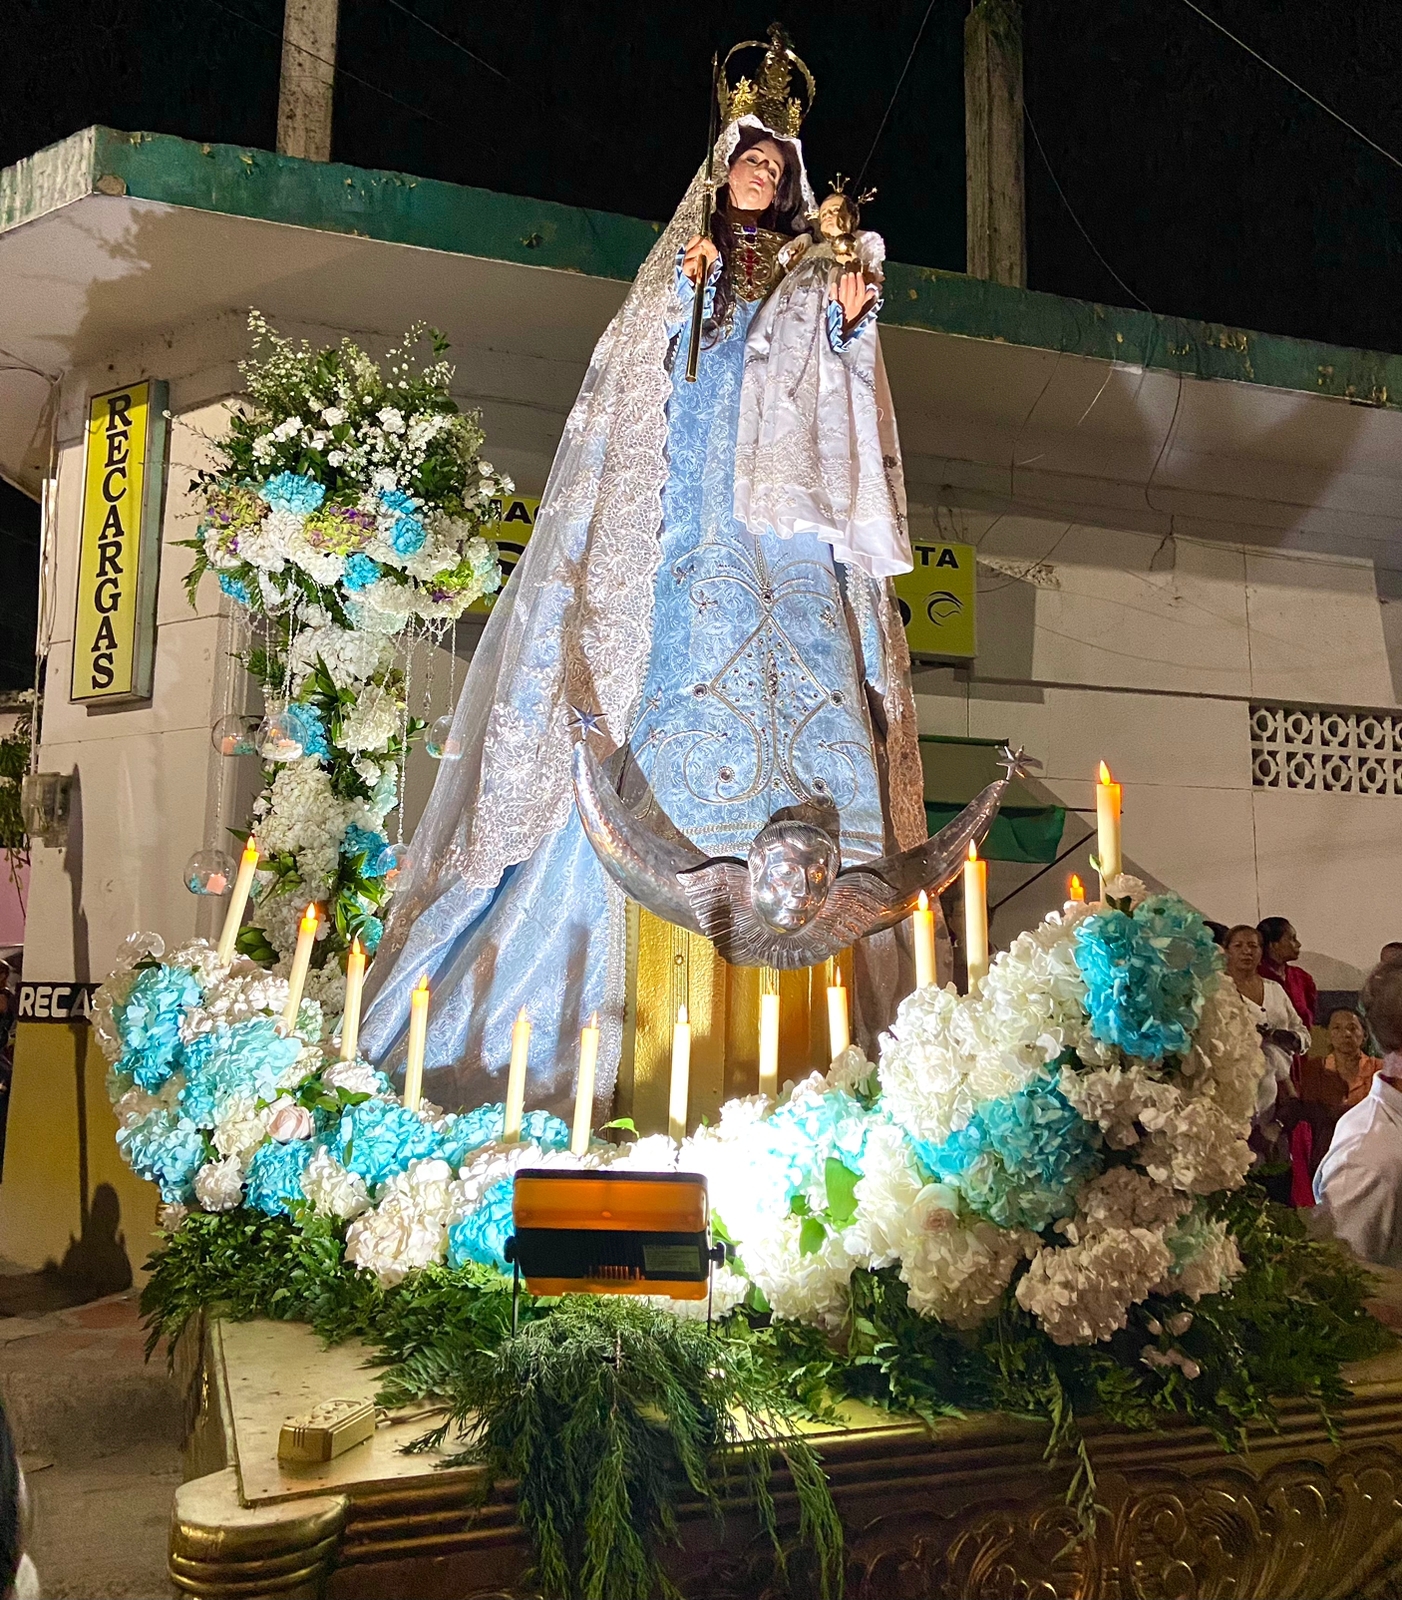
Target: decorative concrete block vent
{"x":1329,"y":752}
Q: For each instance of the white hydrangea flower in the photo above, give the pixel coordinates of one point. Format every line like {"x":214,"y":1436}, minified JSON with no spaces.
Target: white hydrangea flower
{"x":1082,"y":1294}
{"x":408,"y":1227}
{"x":240,"y":1128}
{"x":333,"y":1189}
{"x":373,"y":721}
{"x":219,"y":1184}
{"x":355,"y":1077}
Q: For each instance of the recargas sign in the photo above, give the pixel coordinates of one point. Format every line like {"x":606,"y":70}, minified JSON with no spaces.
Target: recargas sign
{"x":114,"y":630}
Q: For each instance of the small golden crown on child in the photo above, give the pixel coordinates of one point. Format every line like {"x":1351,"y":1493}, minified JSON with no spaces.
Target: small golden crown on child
{"x":768,"y":95}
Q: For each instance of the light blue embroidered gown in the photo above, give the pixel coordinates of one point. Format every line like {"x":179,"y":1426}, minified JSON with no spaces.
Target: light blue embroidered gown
{"x":755,"y":700}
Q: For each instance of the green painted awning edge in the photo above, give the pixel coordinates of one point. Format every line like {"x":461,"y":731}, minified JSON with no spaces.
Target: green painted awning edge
{"x":399,"y":208}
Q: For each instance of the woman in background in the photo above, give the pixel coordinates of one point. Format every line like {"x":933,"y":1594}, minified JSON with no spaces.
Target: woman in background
{"x":1282,"y":1034}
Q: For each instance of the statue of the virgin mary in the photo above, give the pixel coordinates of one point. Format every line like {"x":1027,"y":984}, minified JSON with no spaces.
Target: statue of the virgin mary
{"x":740,"y":666}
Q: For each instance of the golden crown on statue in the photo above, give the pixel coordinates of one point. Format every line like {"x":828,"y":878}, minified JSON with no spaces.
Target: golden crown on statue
{"x":767,"y":96}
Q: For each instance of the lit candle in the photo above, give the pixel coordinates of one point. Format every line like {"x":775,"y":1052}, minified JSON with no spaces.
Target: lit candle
{"x":769,"y":1045}
{"x":243,"y":885}
{"x":350,"y":1012}
{"x":839,"y":1022}
{"x":1075,"y":889}
{"x":681,"y":1076}
{"x":301,"y":961}
{"x":516,"y":1077}
{"x":924,"y":921}
{"x":418,"y":1038}
{"x":1107,"y":822}
{"x":584,"y":1090}
{"x":975,"y":916}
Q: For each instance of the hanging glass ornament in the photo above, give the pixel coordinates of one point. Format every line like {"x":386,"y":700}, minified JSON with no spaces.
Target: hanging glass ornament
{"x":233,"y":736}
{"x":391,"y":860}
{"x":278,"y":738}
{"x":441,"y":742}
{"x":209,"y":872}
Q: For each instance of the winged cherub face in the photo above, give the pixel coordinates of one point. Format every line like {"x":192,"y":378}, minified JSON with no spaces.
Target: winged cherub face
{"x":792,"y":867}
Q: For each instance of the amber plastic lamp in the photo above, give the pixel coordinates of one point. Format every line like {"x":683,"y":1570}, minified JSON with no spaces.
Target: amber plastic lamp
{"x":612,"y":1233}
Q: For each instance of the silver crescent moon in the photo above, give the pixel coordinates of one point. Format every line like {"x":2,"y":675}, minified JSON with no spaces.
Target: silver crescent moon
{"x":642,"y":863}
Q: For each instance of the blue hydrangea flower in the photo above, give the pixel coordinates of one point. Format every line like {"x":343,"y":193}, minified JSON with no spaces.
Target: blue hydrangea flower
{"x":408,"y":535}
{"x":245,"y":1059}
{"x":804,"y":1134}
{"x":275,"y":1176}
{"x":379,"y":1138}
{"x":293,"y":491}
{"x":165,"y":1150}
{"x":235,"y":588}
{"x":461,"y":1134}
{"x":1018,"y":1160}
{"x":371,"y":932}
{"x":482,"y":1236}
{"x":148,"y":1023}
{"x":1147,"y":975}
{"x":365,"y":842}
{"x":360,"y":571}
{"x":310,"y":730}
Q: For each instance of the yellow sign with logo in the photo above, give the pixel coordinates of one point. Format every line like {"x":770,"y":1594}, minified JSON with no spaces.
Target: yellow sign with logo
{"x":515,"y":519}
{"x":937,"y":601}
{"x":114,"y":631}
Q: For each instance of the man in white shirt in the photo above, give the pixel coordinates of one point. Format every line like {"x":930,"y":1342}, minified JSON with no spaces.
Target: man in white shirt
{"x":1359,"y":1182}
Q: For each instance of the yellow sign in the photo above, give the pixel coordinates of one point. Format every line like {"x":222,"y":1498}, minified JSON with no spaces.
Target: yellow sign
{"x":937,"y":601}
{"x":515,"y":520}
{"x":119,"y":556}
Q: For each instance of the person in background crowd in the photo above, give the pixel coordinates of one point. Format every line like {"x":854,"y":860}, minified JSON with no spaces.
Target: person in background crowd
{"x":1392,"y":951}
{"x":1282,"y":1034}
{"x":1280,"y":947}
{"x":1219,"y":932}
{"x":1359,"y":1182}
{"x":1327,"y":1089}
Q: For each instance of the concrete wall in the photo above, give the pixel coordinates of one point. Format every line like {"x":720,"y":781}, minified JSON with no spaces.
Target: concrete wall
{"x":1147,"y":651}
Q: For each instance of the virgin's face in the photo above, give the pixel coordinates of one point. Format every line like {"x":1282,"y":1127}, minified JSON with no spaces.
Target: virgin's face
{"x":754,"y":176}
{"x":1244,"y":953}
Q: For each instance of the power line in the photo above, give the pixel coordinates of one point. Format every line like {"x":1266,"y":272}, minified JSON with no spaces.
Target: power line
{"x":1358,"y":133}
{"x":1071,"y":212}
{"x":895,"y":95}
{"x":448,"y":39}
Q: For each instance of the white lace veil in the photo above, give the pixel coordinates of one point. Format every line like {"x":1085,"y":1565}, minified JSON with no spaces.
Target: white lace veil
{"x":574,"y":625}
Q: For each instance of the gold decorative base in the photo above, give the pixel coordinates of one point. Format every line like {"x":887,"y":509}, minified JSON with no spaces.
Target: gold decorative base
{"x":966,"y":1510}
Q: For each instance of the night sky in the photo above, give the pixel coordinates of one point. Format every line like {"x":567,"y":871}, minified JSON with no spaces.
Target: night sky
{"x":1210,"y":187}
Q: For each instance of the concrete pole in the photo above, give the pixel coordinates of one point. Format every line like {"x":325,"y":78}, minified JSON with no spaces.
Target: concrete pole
{"x":995,"y":204}
{"x":308,"y":79}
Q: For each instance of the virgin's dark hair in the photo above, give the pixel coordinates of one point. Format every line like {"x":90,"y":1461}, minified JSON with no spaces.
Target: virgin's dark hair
{"x":786,"y":215}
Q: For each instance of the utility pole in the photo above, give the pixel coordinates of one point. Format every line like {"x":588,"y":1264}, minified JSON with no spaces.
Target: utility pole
{"x":308,"y":82}
{"x":994,"y":196}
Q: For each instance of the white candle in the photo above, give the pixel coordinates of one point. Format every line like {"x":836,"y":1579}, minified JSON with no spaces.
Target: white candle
{"x":584,"y":1090}
{"x":923,"y":919}
{"x":1107,"y":825}
{"x":1076,"y":890}
{"x":243,"y":885}
{"x":769,"y":1045}
{"x":301,"y":961}
{"x":350,"y":1012}
{"x":418,"y":1039}
{"x":839,"y":1021}
{"x":681,"y":1076}
{"x":975,"y":916}
{"x":516,"y":1078}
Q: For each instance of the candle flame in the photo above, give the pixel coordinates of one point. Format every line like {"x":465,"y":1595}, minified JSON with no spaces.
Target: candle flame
{"x":250,"y":850}
{"x":421,"y":987}
{"x":357,"y":949}
{"x":521,"y":1015}
{"x":594,"y":1020}
{"x":973,"y":851}
{"x":1076,"y":888}
{"x":309,"y":919}
{"x":681,"y":1016}
{"x":1105,"y":774}
{"x":924,"y":901}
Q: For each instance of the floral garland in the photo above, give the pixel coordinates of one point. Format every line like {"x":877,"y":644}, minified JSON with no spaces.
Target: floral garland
{"x":346,"y":517}
{"x":1008,"y":1149}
